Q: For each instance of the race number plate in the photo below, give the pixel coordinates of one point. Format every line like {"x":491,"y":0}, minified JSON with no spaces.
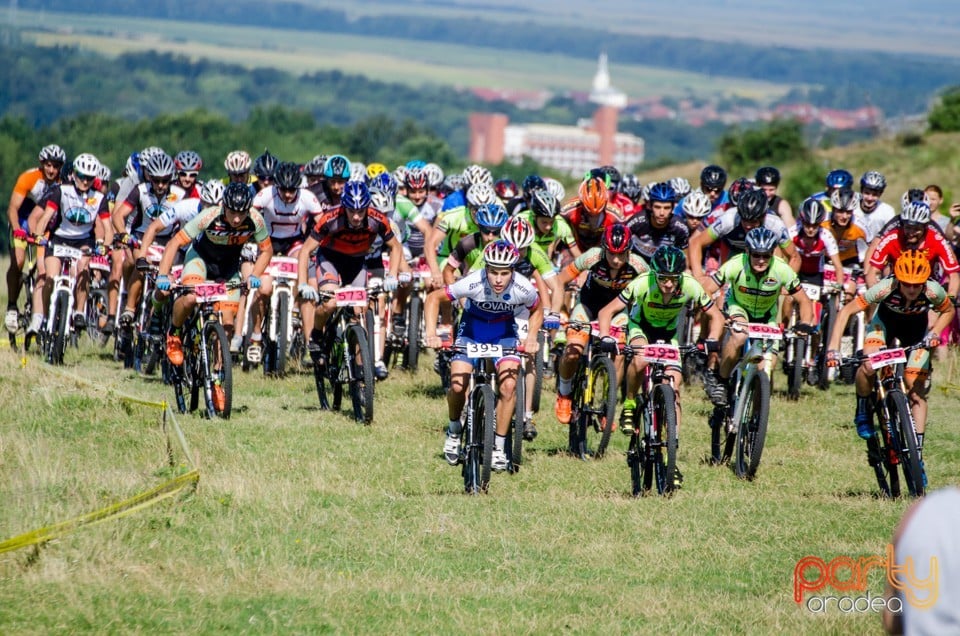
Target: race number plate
{"x":351,"y":297}
{"x":154,"y":254}
{"x":283,"y":267}
{"x":523,"y":328}
{"x":763,"y":331}
{"x":662,"y":353}
{"x":65,"y":251}
{"x":175,"y":272}
{"x":483,"y":350}
{"x":812,"y":291}
{"x":211,"y":292}
{"x":887,"y":357}
{"x":829,"y":274}
{"x":101,"y":263}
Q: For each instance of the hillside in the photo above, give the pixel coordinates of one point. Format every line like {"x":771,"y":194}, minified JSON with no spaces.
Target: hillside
{"x":935,"y":160}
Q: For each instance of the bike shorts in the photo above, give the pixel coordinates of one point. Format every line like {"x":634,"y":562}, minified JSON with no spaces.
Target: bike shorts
{"x":197,"y":270}
{"x":283,"y":246}
{"x":811,"y":279}
{"x":344,"y":273}
{"x":582,"y":313}
{"x":650,"y":333}
{"x":503,"y":333}
{"x":19,"y":244}
{"x":909,"y":330}
{"x":78,"y":243}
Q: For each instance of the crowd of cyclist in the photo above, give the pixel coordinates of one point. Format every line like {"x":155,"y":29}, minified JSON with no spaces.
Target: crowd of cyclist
{"x":627,"y":256}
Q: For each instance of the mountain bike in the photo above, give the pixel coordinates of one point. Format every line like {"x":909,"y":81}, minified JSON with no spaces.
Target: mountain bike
{"x":346,"y":360}
{"x":594,"y":396}
{"x":742,"y":426}
{"x":652,"y":453}
{"x":403,"y":346}
{"x":207,"y":366}
{"x":894,"y":442}
{"x":851,"y":344}
{"x":59,"y":327}
{"x":147,"y":347}
{"x":479,"y":417}
{"x":97,"y":307}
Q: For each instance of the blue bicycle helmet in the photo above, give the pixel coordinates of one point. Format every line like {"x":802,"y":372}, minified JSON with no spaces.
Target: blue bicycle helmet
{"x":337,"y":167}
{"x":491,"y":215}
{"x":416,"y":163}
{"x":839,"y":179}
{"x":384,"y":181}
{"x":662,"y":192}
{"x":356,"y":195}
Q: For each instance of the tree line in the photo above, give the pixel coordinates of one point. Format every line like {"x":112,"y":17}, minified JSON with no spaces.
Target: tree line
{"x":898,"y":84}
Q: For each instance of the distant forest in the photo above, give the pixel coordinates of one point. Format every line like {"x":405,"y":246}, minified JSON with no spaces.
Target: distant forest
{"x":136,"y":86}
{"x":897,"y":83}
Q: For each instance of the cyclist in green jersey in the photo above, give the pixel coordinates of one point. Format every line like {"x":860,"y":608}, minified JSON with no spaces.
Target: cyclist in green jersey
{"x":452,"y":226}
{"x":552,"y":233}
{"x":756,"y":279}
{"x":654,"y":302}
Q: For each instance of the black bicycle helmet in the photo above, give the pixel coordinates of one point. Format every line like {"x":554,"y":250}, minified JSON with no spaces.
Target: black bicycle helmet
{"x":713,"y":176}
{"x":668,"y":260}
{"x":768,"y":175}
{"x":287,"y":176}
{"x":237,"y":197}
{"x":265,"y":165}
{"x":752,"y":205}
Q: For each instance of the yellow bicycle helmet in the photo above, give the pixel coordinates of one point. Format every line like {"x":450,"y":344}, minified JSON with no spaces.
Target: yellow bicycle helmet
{"x":912,"y":267}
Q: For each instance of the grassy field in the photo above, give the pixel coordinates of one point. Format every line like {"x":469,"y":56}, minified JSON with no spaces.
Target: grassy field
{"x":383,"y":59}
{"x":306,"y":522}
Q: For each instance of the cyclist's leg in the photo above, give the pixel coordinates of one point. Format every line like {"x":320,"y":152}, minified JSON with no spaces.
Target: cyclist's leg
{"x":577,"y":340}
{"x":508,"y":368}
{"x":916,"y":377}
{"x":261,"y":300}
{"x":874,"y":340}
{"x":134,"y":281}
{"x":15,"y":270}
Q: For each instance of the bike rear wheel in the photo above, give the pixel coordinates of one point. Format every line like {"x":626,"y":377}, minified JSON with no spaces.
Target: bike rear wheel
{"x":519,"y":411}
{"x":635,"y":463}
{"x":282,"y":345}
{"x":751,"y":414}
{"x":827,"y":320}
{"x":361,"y":374}
{"x":539,"y":365}
{"x":664,"y":437}
{"x":795,"y":377}
{"x":218,"y":375}
{"x":904,"y":438}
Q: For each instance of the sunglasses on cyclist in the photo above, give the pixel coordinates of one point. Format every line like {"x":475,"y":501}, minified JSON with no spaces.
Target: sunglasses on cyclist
{"x":84,"y":177}
{"x":488,"y":230}
{"x":669,"y":278}
{"x":185,"y":173}
{"x":160,"y":180}
{"x":765,"y":256}
{"x":913,"y":227}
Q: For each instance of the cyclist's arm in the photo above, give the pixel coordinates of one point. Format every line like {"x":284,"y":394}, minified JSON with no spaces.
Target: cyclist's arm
{"x":838,"y":269}
{"x":543,"y":288}
{"x":431,"y":310}
{"x":434,"y":238}
{"x":39,"y":223}
{"x":310,"y":244}
{"x":119,"y":216}
{"x":849,"y":310}
{"x":148,"y":237}
{"x":263,"y":258}
{"x":716,"y":319}
{"x":16,"y":200}
{"x":605,"y":316}
{"x":953,"y":284}
{"x":792,"y":255}
{"x":396,"y":255}
{"x":534,"y":324}
{"x":870,"y":272}
{"x":180,"y":239}
{"x":805,"y":305}
{"x":785,"y":213}
{"x":698,"y":243}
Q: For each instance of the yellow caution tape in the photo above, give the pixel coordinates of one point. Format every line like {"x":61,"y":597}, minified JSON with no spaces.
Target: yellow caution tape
{"x":114,"y":511}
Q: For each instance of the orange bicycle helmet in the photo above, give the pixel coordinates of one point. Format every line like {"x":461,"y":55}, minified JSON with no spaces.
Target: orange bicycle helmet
{"x":912,"y":267}
{"x":593,"y":195}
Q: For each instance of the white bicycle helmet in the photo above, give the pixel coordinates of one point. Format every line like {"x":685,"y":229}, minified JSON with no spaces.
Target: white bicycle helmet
{"x":188,"y":161}
{"x":555,"y":188}
{"x":236,"y":162}
{"x":501,"y":253}
{"x":86,"y":164}
{"x":697,"y":204}
{"x":158,"y":165}
{"x":475,"y":174}
{"x":211,"y":193}
{"x":680,"y":185}
{"x":105,"y":173}
{"x":518,"y":231}
{"x":481,"y":194}
{"x":382,"y":201}
{"x":434,"y":175}
{"x":53,"y":152}
{"x":915,"y":212}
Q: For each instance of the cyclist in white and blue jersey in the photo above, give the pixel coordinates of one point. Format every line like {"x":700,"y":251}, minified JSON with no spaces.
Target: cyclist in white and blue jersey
{"x":492,"y":297}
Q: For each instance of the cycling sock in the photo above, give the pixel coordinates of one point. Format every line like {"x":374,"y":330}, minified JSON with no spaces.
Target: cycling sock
{"x":920,"y":442}
{"x":11,"y":306}
{"x":863,"y":405}
{"x":256,"y":337}
{"x":564,"y":386}
{"x":316,"y":335}
{"x":453,"y":428}
{"x":175,"y":330}
{"x":499,"y":442}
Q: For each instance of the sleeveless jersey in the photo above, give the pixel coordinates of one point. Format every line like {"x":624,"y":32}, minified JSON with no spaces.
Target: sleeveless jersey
{"x":285,"y":220}
{"x":76,"y":212}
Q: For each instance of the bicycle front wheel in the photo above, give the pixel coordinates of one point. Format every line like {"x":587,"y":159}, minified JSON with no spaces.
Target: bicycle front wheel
{"x":664,"y":437}
{"x":904,"y":438}
{"x":61,"y":323}
{"x":478,"y":439}
{"x":602,"y":407}
{"x":414,"y":318}
{"x":283,"y":335}
{"x":361,"y":374}
{"x":753,"y":409}
{"x":218,"y":374}
{"x":795,"y":369}
{"x":519,"y":411}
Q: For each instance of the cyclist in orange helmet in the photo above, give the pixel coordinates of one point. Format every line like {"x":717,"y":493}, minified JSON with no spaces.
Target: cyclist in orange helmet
{"x":902,"y":303}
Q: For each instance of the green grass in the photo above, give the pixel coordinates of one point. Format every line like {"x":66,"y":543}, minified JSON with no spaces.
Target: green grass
{"x":305,"y":521}
{"x":384,"y":59}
